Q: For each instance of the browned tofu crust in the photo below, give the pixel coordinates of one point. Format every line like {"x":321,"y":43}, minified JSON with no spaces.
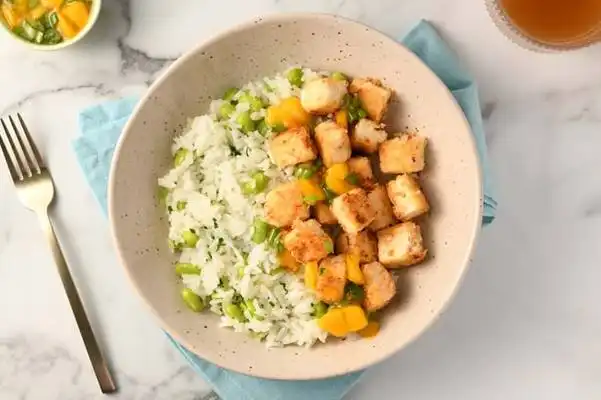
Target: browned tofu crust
{"x":379,"y":286}
{"x":292,"y":147}
{"x":403,"y":155}
{"x":364,"y":244}
{"x":384,"y":216}
{"x":361,"y":166}
{"x":373,"y":95}
{"x":284,"y":205}
{"x":323,"y":214}
{"x":331,"y":279}
{"x":333,"y":143}
{"x":353,"y":210}
{"x":307,"y":241}
{"x":401,"y":245}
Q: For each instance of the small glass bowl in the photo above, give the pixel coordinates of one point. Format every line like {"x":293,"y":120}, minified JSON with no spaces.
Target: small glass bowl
{"x":517,"y":36}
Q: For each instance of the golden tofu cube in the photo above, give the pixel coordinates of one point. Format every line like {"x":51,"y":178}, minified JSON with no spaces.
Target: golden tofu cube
{"x":333,"y":143}
{"x":353,"y":210}
{"x":367,"y":136}
{"x":373,"y":95}
{"x":307,"y":241}
{"x":408,"y":200}
{"x":361,"y":167}
{"x":323,"y":214}
{"x":401,"y":245}
{"x":292,"y":147}
{"x":284,"y":205}
{"x":331,"y":279}
{"x":363,"y":244}
{"x":379,"y":286}
{"x":323,"y":96}
{"x":384,"y":216}
{"x":403,"y":155}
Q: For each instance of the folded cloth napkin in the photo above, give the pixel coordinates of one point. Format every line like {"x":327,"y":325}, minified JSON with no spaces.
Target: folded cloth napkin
{"x":101,"y":126}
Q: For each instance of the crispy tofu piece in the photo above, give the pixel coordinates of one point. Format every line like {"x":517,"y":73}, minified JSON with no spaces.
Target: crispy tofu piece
{"x":331,"y":279}
{"x":403,"y":155}
{"x":353,"y":210}
{"x":323,"y":96}
{"x":324,"y":215}
{"x":379,"y":286}
{"x":333,"y":143}
{"x":361,"y":167}
{"x":401,"y":245}
{"x":284,"y":205}
{"x":307,"y":241}
{"x":380,"y":203}
{"x":373,"y":95}
{"x":408,"y":200}
{"x":292,"y":147}
{"x":367,"y":136}
{"x":364,"y":244}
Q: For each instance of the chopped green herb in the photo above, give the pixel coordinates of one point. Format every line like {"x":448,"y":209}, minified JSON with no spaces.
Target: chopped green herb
{"x":273,"y":238}
{"x":226,"y":110}
{"x":234,"y":311}
{"x":352,"y":178}
{"x":311,"y":199}
{"x":279,"y":127}
{"x":278,"y":270}
{"x":329,"y":246}
{"x":181,"y":205}
{"x":339,"y":76}
{"x":328,"y":193}
{"x":263,"y":128}
{"x":354,"y":293}
{"x":322,"y":270}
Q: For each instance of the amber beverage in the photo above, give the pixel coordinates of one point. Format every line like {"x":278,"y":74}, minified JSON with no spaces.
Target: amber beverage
{"x":549,"y":24}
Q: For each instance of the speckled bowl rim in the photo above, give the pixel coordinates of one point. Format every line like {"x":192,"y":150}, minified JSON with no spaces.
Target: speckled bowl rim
{"x":473,"y":232}
{"x":94,"y":13}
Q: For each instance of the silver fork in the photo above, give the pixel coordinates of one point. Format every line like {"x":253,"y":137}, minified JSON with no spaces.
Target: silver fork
{"x":35,"y":189}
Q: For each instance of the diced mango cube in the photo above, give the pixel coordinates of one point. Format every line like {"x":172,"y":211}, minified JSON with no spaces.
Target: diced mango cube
{"x":371,"y":330}
{"x":311,"y":274}
{"x":77,"y":12}
{"x":287,"y":261}
{"x":355,"y":318}
{"x":334,"y":322}
{"x":353,"y":269}
{"x":335,"y":178}
{"x":311,"y":190}
{"x":342,"y":119}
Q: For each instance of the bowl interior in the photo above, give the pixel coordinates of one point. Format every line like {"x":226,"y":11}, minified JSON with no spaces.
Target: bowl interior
{"x":264,"y":47}
{"x":94,"y":13}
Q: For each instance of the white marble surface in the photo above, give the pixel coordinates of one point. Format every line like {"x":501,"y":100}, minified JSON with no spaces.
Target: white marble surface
{"x":527,"y":321}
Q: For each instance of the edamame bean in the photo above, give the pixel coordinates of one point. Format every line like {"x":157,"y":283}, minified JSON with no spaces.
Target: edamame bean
{"x":226,"y":110}
{"x":190,"y":239}
{"x":261,"y":181}
{"x":339,"y":76}
{"x":234,"y":311}
{"x":245,"y":121}
{"x":180,"y":156}
{"x":186,"y":269}
{"x":320,"y":309}
{"x":249,"y":187}
{"x":229,"y":94}
{"x":295,"y":77}
{"x":192,"y":300}
{"x":260,"y":231}
{"x":263,"y":128}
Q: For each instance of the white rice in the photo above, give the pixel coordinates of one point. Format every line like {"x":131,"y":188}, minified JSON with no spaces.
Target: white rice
{"x":209,"y":180}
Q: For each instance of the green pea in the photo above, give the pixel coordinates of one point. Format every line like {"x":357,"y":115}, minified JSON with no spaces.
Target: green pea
{"x":186,"y":269}
{"x":295,"y":77}
{"x":339,"y":76}
{"x":260,"y":231}
{"x":261,"y":181}
{"x":226,"y":110}
{"x":192,"y":300}
{"x":190,"y":239}
{"x":245,"y":121}
{"x":229,"y":94}
{"x":320,"y":309}
{"x":234,"y":311}
{"x":162,"y":193}
{"x":180,"y":156}
{"x":181,"y":205}
{"x":263,"y":128}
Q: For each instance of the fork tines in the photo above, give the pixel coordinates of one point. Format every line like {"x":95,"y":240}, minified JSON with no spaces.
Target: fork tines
{"x":21,"y":155}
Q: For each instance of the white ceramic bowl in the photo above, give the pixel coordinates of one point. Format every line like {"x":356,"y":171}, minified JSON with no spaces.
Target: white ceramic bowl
{"x":263,"y":47}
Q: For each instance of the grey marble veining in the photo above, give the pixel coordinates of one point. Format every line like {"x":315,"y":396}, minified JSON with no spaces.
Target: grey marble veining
{"x":527,"y":321}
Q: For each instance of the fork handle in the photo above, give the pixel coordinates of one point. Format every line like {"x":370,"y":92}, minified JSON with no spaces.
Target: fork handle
{"x":99,"y":365}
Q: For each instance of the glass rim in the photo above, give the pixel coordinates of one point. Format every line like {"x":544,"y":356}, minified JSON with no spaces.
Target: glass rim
{"x":520,"y":37}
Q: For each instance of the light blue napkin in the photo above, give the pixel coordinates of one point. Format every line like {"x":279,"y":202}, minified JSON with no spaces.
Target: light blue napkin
{"x":101,"y":126}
